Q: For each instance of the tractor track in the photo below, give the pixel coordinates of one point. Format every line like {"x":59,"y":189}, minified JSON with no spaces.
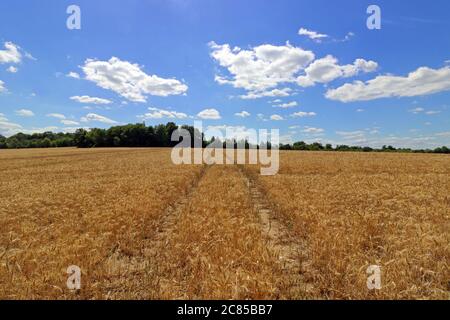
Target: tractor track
{"x":290,"y":250}
{"x":169,"y":218}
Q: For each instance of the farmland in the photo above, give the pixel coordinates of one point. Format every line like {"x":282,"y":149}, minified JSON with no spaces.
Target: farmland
{"x":140,"y":227}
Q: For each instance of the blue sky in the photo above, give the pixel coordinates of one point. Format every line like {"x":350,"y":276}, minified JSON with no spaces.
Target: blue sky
{"x":309,"y":68}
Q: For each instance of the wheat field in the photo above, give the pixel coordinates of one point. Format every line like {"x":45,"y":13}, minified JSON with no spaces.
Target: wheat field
{"x":140,"y":227}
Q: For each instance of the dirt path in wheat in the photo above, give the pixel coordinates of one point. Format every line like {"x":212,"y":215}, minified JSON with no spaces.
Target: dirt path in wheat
{"x":290,"y":250}
{"x":138,"y":272}
{"x":222,"y":240}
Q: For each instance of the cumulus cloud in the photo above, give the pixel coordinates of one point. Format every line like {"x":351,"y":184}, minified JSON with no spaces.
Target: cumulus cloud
{"x":285,"y":92}
{"x":312,"y":130}
{"x":211,"y":114}
{"x":2,"y":86}
{"x":8,"y":128}
{"x":327,"y":69}
{"x":287,"y":105}
{"x":422,"y":110}
{"x":56,"y":115}
{"x":92,"y":117}
{"x":93,"y":100}
{"x":261,"y":68}
{"x":358,"y":136}
{"x":242,"y":114}
{"x":11,"y":54}
{"x":276,"y":117}
{"x":73,"y":75}
{"x":128,"y":80}
{"x":160,"y":114}
{"x":302,"y":114}
{"x":443,"y":134}
{"x":423,"y":81}
{"x":24,"y":113}
{"x":12,"y":69}
{"x":313,"y":35}
{"x":417,"y":110}
{"x":69,"y":122}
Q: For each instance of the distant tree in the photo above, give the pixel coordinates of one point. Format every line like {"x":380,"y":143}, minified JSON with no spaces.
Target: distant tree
{"x":3,"y":142}
{"x":301,"y":145}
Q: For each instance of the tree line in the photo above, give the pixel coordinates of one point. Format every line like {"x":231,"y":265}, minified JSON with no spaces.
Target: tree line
{"x":301,"y":145}
{"x":140,"y":135}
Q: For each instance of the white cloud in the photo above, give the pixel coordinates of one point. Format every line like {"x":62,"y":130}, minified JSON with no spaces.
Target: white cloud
{"x":242,"y":114}
{"x":313,"y":130}
{"x":212,"y":114}
{"x":11,"y":54}
{"x":129,"y":81}
{"x":39,"y":130}
{"x":160,"y":113}
{"x":422,"y":81}
{"x":12,"y":69}
{"x":69,"y":122}
{"x":260,"y":68}
{"x":8,"y":128}
{"x":359,"y":110}
{"x":349,"y":133}
{"x":327,"y":69}
{"x":285,"y":92}
{"x":24,"y":113}
{"x":56,"y":115}
{"x":29,"y":56}
{"x":358,"y":136}
{"x":2,"y":86}
{"x":287,"y":105}
{"x":422,"y":110}
{"x":302,"y":114}
{"x":97,"y":118}
{"x":73,"y":75}
{"x":93,"y":100}
{"x":313,"y":35}
{"x":417,"y":110}
{"x":276,"y":117}
{"x":348,"y":36}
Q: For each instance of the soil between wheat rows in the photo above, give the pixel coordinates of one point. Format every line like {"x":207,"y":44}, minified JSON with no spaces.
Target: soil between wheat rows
{"x":140,"y":227}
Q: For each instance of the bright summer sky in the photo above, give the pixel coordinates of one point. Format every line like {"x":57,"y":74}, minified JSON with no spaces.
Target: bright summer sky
{"x":310,"y":68}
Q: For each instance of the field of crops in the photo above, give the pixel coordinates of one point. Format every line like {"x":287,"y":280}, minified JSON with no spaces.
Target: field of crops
{"x":140,"y":227}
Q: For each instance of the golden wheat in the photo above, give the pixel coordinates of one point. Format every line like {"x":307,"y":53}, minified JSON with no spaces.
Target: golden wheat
{"x":356,"y":210}
{"x":140,"y":227}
